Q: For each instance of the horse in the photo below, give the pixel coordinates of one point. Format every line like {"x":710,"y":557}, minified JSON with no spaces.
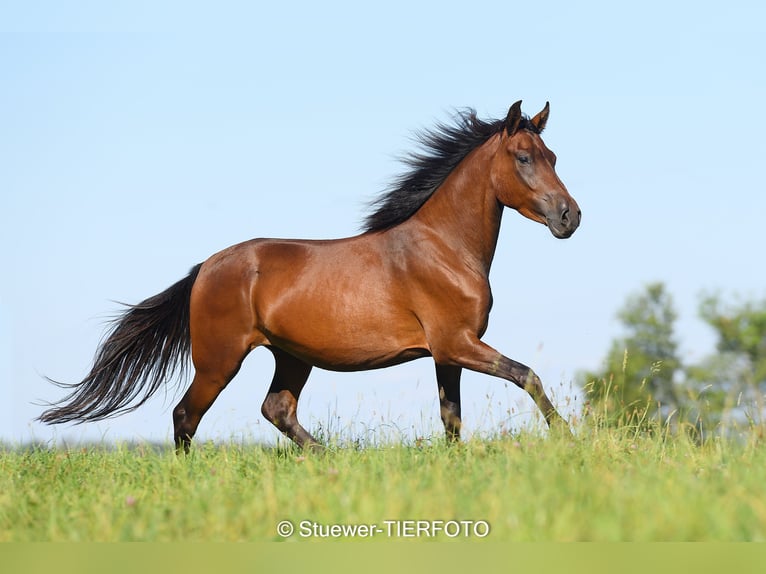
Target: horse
{"x":413,"y":283}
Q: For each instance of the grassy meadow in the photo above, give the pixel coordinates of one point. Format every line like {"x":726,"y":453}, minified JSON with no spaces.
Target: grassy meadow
{"x":605,"y":484}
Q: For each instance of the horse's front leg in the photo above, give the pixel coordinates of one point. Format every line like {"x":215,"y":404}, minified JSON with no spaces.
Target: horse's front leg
{"x":448,"y":379}
{"x":480,"y":357}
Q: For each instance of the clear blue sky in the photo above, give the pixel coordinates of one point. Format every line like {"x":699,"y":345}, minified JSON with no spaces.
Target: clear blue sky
{"x":138,"y":138}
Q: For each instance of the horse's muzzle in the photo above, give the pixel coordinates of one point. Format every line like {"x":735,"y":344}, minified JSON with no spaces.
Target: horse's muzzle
{"x":565,"y":220}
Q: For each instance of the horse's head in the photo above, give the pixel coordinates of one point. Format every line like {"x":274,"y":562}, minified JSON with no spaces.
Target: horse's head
{"x":524,"y":176}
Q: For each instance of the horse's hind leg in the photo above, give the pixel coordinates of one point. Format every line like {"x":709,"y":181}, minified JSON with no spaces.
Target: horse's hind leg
{"x":448,"y":379}
{"x":214,"y":370}
{"x":281,"y":404}
{"x":194,"y":404}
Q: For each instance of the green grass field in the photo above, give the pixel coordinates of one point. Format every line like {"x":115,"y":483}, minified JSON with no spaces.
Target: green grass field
{"x":603,"y":485}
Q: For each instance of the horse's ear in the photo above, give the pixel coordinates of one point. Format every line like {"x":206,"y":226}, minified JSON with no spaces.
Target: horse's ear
{"x":541,"y":119}
{"x":513,"y":119}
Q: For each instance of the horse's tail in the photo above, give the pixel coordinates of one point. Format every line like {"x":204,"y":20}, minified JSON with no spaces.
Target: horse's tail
{"x":145,"y":346}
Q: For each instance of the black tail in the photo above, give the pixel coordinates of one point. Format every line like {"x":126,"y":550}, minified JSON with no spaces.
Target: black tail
{"x":144,"y":347}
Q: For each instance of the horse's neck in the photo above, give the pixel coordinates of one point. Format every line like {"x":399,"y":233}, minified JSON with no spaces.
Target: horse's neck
{"x":464,"y":213}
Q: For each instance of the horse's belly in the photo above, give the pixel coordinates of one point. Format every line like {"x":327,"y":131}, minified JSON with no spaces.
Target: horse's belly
{"x":334,"y":361}
{"x":345,"y":342}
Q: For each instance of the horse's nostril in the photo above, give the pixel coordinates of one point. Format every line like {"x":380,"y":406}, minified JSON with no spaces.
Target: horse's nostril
{"x":565,"y":216}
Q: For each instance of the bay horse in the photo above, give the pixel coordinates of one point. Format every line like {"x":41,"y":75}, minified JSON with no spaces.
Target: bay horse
{"x":413,"y":284}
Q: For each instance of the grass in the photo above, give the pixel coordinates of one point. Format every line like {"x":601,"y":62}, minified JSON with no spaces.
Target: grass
{"x":604,"y":485}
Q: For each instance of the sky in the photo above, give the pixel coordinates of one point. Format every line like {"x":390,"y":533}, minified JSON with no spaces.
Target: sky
{"x":139,"y":138}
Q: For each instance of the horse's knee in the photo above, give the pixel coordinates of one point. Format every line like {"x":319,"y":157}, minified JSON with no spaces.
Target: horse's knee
{"x":531,"y":383}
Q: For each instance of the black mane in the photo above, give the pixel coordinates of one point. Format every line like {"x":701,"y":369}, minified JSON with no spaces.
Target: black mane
{"x":443,"y":148}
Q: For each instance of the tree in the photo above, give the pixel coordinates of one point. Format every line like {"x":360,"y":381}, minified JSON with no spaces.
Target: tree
{"x":741,"y":331}
{"x":643,"y":377}
{"x":640,"y":370}
{"x":735,"y":377}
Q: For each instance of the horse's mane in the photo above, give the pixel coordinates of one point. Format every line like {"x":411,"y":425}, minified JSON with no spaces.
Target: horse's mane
{"x":443,"y":148}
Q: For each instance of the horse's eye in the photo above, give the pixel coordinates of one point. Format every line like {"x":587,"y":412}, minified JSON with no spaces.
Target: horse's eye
{"x":523,"y":159}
